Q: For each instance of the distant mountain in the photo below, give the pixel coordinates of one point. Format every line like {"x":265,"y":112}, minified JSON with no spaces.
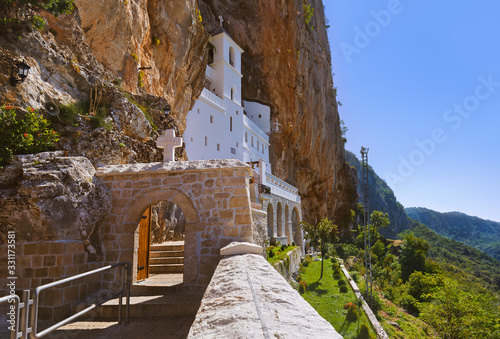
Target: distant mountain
{"x":481,"y":234}
{"x":381,"y":198}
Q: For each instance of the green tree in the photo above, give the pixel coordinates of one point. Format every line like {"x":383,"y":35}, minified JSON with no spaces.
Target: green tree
{"x":378,"y":220}
{"x":413,"y":255}
{"x":455,"y":314}
{"x":320,"y":234}
{"x":16,"y":9}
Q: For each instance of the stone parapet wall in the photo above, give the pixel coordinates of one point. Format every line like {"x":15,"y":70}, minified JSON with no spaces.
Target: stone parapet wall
{"x":247,"y":298}
{"x":289,"y":267}
{"x":40,"y":263}
{"x":259,"y":219}
{"x":381,"y":334}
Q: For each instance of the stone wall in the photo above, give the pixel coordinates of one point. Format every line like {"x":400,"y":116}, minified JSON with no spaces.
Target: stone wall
{"x":213,"y":195}
{"x":289,"y":267}
{"x":40,"y":263}
{"x":247,"y":298}
{"x":259,"y":219}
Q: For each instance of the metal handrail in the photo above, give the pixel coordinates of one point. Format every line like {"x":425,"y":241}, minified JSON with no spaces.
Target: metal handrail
{"x":125,"y":288}
{"x":14,"y":334}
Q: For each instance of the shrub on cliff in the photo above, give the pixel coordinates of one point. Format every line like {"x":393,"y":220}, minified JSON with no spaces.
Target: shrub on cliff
{"x":23,"y":134}
{"x":14,"y":10}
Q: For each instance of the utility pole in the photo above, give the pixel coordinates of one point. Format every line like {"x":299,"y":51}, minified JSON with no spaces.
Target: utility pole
{"x":368,"y":247}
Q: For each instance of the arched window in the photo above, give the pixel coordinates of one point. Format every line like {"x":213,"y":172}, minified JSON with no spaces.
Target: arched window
{"x":210,"y":56}
{"x":231,"y":56}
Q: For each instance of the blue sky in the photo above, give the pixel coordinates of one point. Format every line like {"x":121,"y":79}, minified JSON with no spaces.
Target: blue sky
{"x":419,"y":83}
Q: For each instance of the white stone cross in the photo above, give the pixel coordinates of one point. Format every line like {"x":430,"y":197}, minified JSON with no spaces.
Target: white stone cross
{"x":169,"y":142}
{"x":276,"y":126}
{"x":221,"y":20}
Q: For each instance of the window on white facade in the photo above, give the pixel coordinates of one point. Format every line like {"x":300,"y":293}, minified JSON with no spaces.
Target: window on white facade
{"x":237,"y":144}
{"x":262,"y":149}
{"x":233,"y":150}
{"x":206,"y":141}
{"x":211,"y":119}
{"x":258,"y":145}
{"x":198,"y":111}
{"x":260,"y":116}
{"x":230,"y":124}
{"x":237,"y":113}
{"x":252,"y":141}
{"x":232,"y":93}
{"x":231,"y":56}
{"x":218,"y":147}
{"x":246,"y":136}
{"x":191,"y":139}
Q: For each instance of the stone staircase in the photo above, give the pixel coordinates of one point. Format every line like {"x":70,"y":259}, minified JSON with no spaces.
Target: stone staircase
{"x":166,"y":258}
{"x":163,"y":303}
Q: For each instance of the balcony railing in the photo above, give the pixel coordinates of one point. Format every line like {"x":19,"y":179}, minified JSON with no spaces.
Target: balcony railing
{"x":282,"y":188}
{"x":210,"y":73}
{"x":213,"y":98}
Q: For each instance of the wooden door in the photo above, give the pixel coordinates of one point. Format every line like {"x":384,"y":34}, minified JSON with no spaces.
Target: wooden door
{"x":143,"y":251}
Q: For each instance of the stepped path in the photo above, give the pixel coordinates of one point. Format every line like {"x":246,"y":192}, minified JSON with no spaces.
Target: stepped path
{"x":166,"y":258}
{"x":160,"y":307}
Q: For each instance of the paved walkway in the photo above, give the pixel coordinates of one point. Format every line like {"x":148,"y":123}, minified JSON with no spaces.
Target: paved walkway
{"x":150,"y":328}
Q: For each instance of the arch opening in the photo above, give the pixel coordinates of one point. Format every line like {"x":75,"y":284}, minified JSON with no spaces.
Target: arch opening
{"x":287,"y":226}
{"x":279,"y":220}
{"x":296,"y":229}
{"x":270,"y":222}
{"x":160,"y":248}
{"x":231,"y":56}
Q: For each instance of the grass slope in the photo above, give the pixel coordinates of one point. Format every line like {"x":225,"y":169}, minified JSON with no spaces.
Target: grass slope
{"x":328,"y":301}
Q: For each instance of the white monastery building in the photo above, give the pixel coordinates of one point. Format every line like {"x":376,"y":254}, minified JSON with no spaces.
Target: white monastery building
{"x":222,"y":126}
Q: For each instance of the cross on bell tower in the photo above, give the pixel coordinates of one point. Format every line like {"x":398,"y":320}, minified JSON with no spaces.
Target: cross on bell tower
{"x":220,"y":20}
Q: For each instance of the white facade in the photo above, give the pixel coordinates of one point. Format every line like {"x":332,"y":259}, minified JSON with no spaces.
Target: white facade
{"x":217,"y":127}
{"x":259,"y":114}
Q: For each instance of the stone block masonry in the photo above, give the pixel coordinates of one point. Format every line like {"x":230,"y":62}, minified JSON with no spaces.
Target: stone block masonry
{"x":42,"y":262}
{"x":247,"y":298}
{"x":213,"y":195}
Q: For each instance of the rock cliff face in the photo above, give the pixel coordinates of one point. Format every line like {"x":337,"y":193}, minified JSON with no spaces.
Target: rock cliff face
{"x":164,"y":35}
{"x":286,"y":64}
{"x":47,"y":196}
{"x":147,"y":59}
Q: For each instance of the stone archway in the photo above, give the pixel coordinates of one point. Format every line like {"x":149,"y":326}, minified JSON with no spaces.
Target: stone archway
{"x":212,"y":194}
{"x":190,"y":215}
